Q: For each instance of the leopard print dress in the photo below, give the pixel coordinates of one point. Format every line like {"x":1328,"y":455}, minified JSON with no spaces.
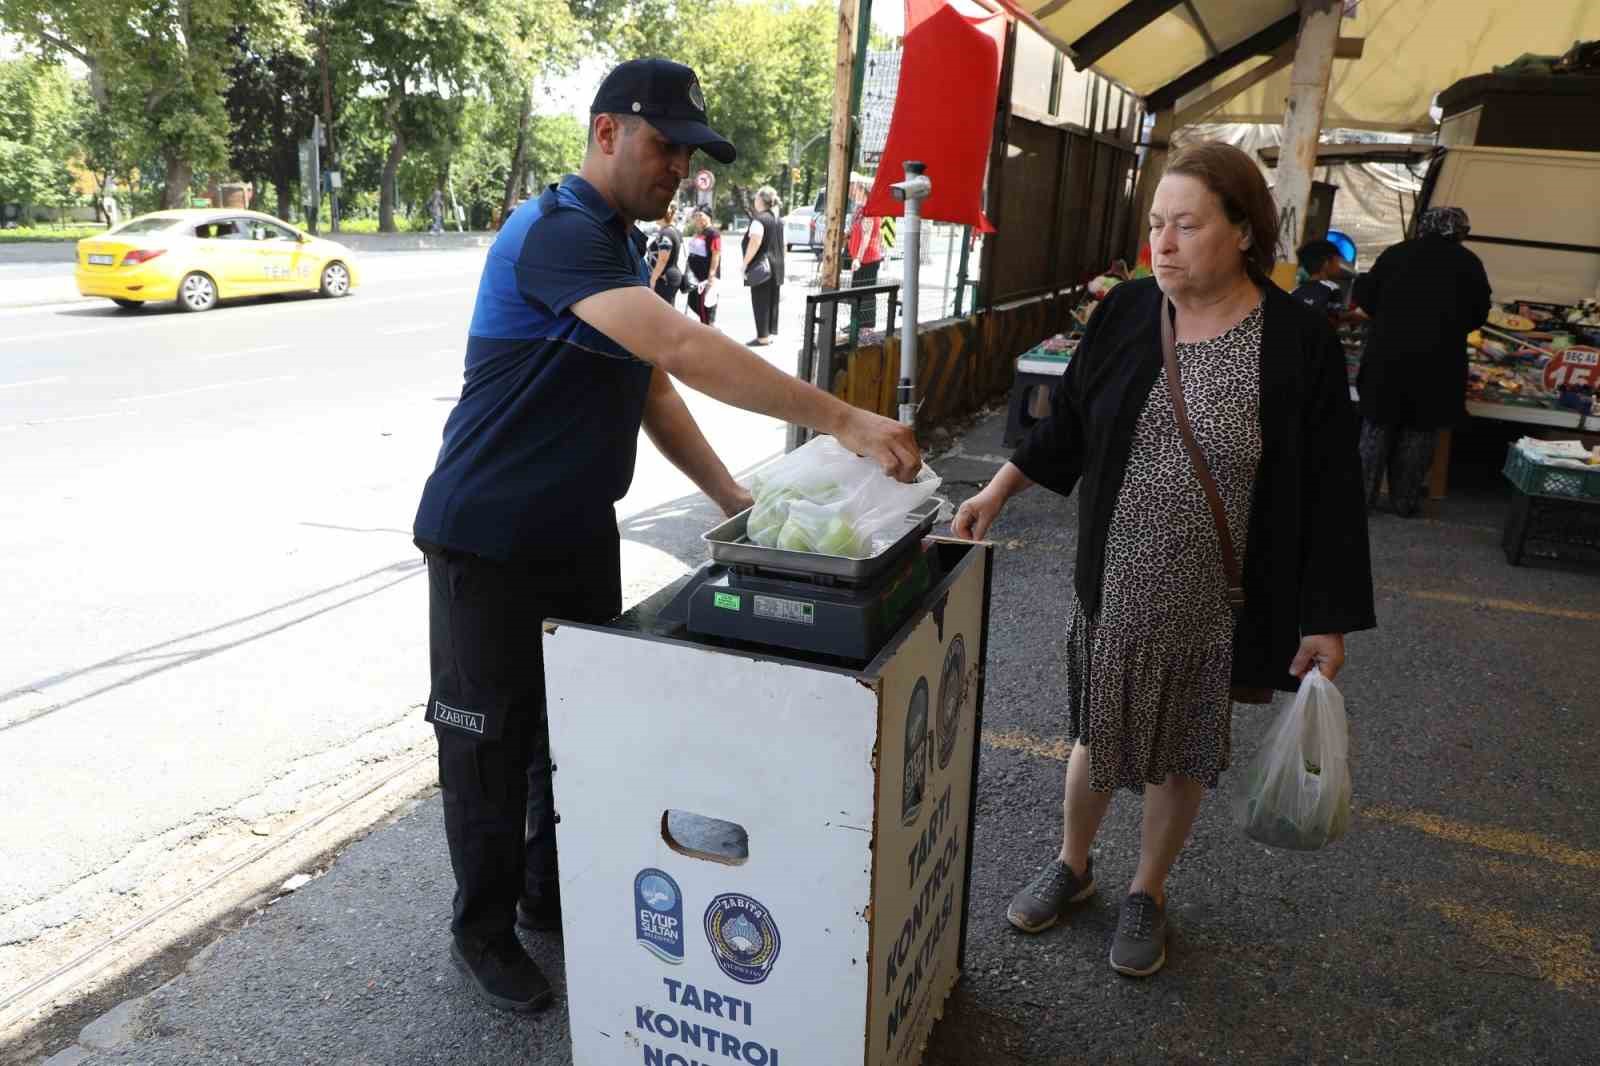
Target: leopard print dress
{"x":1149,"y":678}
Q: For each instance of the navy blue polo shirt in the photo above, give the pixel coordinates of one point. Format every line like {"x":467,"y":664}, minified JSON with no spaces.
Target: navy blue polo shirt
{"x":541,"y":444}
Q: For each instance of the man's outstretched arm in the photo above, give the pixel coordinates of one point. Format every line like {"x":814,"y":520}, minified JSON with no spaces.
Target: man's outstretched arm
{"x":708,"y":361}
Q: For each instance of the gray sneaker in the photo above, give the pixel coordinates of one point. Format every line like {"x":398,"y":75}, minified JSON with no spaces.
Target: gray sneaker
{"x":1140,"y":947}
{"x":1039,"y":905}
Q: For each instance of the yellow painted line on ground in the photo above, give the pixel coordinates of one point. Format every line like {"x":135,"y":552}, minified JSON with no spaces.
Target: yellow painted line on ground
{"x":1488,"y":837}
{"x":1027,"y":743}
{"x":1563,"y":959}
{"x":1491,"y":838}
{"x":1515,"y":606}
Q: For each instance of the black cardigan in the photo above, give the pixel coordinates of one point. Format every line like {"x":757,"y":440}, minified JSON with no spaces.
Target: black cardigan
{"x":1307,"y":568}
{"x":1424,"y":296}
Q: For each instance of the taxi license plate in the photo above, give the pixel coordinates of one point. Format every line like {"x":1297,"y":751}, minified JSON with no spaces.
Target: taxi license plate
{"x":102,"y":260}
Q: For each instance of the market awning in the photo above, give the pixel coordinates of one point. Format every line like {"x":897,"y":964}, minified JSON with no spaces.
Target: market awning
{"x":1179,"y":51}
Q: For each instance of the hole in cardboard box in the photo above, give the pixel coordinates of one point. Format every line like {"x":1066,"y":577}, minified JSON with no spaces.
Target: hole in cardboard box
{"x":700,"y":837}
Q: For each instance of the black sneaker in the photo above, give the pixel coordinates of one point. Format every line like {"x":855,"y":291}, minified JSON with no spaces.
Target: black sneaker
{"x":501,"y":973}
{"x":1140,"y":946}
{"x":541,"y":915}
{"x":1040,"y":903}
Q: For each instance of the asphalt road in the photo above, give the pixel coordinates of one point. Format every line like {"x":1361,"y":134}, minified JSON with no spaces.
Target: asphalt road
{"x":214,"y":612}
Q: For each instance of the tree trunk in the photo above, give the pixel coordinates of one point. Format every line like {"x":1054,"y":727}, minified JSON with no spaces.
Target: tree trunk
{"x":519,"y":158}
{"x":179,"y":173}
{"x":386,"y":188}
{"x":281,"y":185}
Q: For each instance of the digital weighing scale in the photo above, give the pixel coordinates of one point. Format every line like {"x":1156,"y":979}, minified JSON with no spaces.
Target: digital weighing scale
{"x":822,"y":604}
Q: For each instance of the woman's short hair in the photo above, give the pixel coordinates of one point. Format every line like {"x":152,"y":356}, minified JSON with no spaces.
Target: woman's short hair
{"x":1235,"y":180}
{"x":770,"y":196}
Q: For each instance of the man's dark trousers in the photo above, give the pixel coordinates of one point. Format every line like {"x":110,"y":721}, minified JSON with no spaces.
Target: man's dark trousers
{"x":487,"y":707}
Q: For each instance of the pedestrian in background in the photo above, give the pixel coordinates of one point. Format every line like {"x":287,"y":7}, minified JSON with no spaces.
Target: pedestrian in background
{"x":1424,"y":296}
{"x":865,"y":249}
{"x":665,"y":274}
{"x":763,"y":263}
{"x":1155,"y":641}
{"x":108,"y":203}
{"x":436,"y":211}
{"x":568,"y":356}
{"x":705,"y":266}
{"x":1323,"y":268}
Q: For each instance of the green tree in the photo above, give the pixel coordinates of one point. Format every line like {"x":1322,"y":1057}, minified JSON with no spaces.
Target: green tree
{"x":159,"y":69}
{"x":42,"y":111}
{"x":272,"y":99}
{"x":421,"y":56}
{"x":766,"y":72}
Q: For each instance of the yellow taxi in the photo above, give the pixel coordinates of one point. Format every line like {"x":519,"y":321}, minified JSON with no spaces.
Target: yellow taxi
{"x":198,"y":257}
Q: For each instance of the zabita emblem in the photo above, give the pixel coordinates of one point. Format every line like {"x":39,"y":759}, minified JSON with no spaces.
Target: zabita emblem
{"x":743,"y":937}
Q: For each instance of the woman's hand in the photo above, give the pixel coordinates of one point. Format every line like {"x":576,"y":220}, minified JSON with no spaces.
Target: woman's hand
{"x":977,"y":514}
{"x":1325,"y":651}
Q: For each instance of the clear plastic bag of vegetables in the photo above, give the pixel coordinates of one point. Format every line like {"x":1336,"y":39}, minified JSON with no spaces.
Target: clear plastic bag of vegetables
{"x":825,"y":499}
{"x":1296,"y":792}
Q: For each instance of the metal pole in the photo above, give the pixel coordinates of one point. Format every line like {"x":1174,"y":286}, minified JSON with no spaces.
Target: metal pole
{"x":961,"y":271}
{"x":327,"y":124}
{"x":911,"y":192}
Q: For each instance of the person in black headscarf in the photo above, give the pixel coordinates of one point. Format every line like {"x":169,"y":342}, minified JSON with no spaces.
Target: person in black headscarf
{"x":1424,"y":295}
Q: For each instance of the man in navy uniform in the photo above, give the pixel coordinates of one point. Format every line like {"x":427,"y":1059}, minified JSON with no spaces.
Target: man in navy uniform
{"x":568,"y":355}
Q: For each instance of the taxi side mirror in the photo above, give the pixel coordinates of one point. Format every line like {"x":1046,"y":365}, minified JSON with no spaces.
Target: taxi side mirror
{"x":302,"y":238}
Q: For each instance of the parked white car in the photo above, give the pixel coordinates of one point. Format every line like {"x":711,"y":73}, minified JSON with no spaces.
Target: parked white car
{"x":797,"y":228}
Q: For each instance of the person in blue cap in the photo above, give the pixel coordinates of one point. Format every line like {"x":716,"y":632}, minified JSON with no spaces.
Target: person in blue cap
{"x":568,"y":355}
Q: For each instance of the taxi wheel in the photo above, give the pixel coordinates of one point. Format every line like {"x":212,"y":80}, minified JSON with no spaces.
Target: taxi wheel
{"x":197,"y":292}
{"x":335,"y":280}
{"x":127,"y":305}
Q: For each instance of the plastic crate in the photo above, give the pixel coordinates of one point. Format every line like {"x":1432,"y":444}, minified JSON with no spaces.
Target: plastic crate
{"x":1543,"y":479}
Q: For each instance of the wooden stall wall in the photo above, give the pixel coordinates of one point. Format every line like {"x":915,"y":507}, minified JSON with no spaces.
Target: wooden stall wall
{"x":962,"y":363}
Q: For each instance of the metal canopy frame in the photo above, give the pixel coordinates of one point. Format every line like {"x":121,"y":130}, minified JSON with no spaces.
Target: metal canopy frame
{"x":1263,"y":42}
{"x":1116,"y":28}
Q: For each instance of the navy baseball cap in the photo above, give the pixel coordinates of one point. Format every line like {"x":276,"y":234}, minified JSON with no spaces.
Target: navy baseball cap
{"x":666,"y":95}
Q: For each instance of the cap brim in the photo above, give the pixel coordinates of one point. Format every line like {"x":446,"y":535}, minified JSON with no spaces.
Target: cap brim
{"x":698,"y":134}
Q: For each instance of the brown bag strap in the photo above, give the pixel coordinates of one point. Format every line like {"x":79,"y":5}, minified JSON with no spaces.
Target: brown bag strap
{"x":1219,"y":513}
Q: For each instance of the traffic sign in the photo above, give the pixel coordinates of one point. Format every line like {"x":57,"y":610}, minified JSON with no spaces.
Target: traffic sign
{"x":705,"y":181}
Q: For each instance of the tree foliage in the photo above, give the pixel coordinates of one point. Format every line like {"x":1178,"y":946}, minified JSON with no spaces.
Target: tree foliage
{"x":767,"y":73}
{"x":41,"y":119}
{"x":423,"y":92}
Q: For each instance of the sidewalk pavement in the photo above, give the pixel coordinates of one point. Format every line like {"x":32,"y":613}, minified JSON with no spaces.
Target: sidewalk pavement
{"x":1458,"y":922}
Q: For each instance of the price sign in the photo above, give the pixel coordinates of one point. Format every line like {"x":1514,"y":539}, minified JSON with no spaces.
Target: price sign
{"x":1573,"y":366}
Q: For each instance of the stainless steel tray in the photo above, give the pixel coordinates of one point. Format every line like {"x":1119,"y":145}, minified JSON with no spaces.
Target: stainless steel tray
{"x":730,"y":547}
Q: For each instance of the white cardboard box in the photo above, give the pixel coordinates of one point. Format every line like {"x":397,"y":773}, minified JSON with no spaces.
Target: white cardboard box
{"x":839,"y":936}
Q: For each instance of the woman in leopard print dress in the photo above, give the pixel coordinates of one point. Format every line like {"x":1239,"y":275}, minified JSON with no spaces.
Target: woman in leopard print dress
{"x":1153,"y":645}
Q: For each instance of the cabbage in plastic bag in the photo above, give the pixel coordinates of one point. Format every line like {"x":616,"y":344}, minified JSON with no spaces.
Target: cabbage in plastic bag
{"x":820,"y":529}
{"x":1296,"y":793}
{"x":771,"y":508}
{"x":852,"y":509}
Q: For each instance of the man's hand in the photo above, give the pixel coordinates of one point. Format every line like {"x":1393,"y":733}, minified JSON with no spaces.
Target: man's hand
{"x":885,"y":441}
{"x":735,"y":500}
{"x":1325,"y":651}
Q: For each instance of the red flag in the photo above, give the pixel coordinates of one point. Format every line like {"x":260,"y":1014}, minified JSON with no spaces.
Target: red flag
{"x":944,"y":110}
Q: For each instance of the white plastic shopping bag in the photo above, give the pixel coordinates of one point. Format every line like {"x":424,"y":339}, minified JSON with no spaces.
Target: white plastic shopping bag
{"x":823,"y":498}
{"x":1296,"y":793}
